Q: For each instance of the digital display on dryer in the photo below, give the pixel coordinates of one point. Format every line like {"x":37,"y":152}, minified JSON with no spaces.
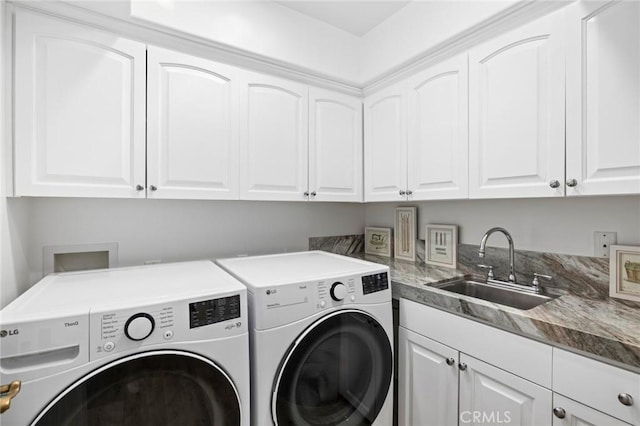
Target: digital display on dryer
{"x":212,"y":311}
{"x":374,"y":283}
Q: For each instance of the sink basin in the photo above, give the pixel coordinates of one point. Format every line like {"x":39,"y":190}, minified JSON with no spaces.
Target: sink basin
{"x":491,"y":293}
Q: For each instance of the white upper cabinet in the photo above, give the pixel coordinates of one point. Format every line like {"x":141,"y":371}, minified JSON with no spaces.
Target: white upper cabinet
{"x":516,"y":113}
{"x":385,"y":147}
{"x":79,"y":110}
{"x":335,"y":146}
{"x":192,"y":139}
{"x":437,"y":162}
{"x":603,"y":98}
{"x":273,"y":139}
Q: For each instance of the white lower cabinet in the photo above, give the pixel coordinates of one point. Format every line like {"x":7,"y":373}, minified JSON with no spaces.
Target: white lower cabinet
{"x":427,"y":381}
{"x":490,"y":395}
{"x":440,"y":386}
{"x":456,"y":371}
{"x":567,"y":412}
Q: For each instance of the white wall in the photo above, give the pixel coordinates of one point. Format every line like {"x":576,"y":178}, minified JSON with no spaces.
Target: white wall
{"x":418,"y":27}
{"x":173,"y":230}
{"x":563,"y":225}
{"x":261,"y":27}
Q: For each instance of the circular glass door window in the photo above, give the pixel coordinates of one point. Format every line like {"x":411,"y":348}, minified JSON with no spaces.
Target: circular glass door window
{"x":338,"y":373}
{"x":150,"y":389}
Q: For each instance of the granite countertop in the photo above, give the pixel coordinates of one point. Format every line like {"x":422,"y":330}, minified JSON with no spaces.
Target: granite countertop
{"x":583,"y":319}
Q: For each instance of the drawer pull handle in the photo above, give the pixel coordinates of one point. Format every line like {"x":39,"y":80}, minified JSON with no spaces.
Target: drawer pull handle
{"x":462,"y":366}
{"x":559,"y":412}
{"x":625,"y":399}
{"x":451,"y":361}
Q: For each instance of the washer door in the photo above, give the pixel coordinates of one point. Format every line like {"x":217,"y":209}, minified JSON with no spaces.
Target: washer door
{"x":151,"y":388}
{"x":337,"y":373}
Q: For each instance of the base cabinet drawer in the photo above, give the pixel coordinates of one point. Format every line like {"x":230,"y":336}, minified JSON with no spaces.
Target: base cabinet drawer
{"x":604,"y":387}
{"x":567,"y":412}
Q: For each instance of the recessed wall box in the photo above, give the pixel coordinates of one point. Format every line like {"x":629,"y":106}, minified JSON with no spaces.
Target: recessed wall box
{"x":79,"y":257}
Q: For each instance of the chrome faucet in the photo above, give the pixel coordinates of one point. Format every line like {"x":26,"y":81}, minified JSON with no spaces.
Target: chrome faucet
{"x":483,"y":243}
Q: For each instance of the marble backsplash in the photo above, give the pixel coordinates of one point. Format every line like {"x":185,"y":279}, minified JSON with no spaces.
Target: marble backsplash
{"x":582,"y":275}
{"x":340,"y":244}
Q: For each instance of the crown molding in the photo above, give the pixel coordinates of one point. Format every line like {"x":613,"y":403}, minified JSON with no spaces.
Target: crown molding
{"x":150,"y":33}
{"x":510,"y":18}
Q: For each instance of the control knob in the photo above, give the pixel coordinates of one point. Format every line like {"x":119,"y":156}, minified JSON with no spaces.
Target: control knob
{"x":338,"y":291}
{"x":139,"y":326}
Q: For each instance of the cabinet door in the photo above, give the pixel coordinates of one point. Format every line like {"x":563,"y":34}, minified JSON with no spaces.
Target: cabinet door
{"x":568,"y":412}
{"x":516,"y":113}
{"x":438,"y":132}
{"x":79,"y":110}
{"x":489,"y":395}
{"x":273,"y":139}
{"x":335,"y":146}
{"x":385,"y":145}
{"x":193,"y":143}
{"x":603,"y":98}
{"x":427,"y":384}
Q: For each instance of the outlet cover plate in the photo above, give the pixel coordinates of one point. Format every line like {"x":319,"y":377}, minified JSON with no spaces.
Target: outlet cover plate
{"x":602,"y":242}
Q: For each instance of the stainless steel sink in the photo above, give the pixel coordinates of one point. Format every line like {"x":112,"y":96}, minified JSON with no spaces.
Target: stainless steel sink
{"x":519,"y":299}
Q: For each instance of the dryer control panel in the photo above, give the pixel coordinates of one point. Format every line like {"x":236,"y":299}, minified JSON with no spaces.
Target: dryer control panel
{"x":287,"y":303}
{"x":114,"y":330}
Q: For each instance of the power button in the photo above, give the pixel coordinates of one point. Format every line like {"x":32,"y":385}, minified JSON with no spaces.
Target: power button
{"x":109,"y":346}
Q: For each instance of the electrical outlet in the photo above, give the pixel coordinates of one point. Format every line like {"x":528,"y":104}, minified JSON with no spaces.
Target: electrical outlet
{"x":602,"y":241}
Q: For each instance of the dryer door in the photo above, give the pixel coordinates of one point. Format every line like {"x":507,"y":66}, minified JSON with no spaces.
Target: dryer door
{"x":337,"y":373}
{"x":151,"y":388}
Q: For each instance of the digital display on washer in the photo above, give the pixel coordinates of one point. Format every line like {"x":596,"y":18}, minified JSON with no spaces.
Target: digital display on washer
{"x":212,"y":311}
{"x":375,"y":282}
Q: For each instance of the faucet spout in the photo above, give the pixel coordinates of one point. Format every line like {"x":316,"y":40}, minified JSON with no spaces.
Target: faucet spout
{"x":483,"y":244}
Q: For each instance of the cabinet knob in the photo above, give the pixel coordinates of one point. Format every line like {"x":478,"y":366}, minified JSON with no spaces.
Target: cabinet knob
{"x":572,"y":183}
{"x":313,"y":194}
{"x":462,"y":366}
{"x":402,"y":192}
{"x":139,"y":187}
{"x":554,"y":183}
{"x":625,"y":399}
{"x":409,"y":192}
{"x":153,"y":188}
{"x":306,"y":193}
{"x":451,"y":361}
{"x":559,"y":412}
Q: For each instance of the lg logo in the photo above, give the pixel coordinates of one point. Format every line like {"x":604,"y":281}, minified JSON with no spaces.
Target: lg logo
{"x":5,"y":333}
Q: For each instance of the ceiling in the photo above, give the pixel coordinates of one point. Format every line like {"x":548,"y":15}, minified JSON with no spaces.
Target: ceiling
{"x":355,"y":17}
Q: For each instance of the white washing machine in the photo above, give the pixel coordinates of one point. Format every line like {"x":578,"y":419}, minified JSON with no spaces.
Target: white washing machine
{"x":154,"y":345}
{"x":321,"y":339}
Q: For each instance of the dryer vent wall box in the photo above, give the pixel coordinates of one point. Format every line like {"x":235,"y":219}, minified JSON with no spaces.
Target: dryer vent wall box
{"x":322,"y":329}
{"x":79,"y":257}
{"x":74,"y":338}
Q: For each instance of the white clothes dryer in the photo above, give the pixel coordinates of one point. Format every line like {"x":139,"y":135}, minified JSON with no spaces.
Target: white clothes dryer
{"x":321,"y":339}
{"x":153,"y":345}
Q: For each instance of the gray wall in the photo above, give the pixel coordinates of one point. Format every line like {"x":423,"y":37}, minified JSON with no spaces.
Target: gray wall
{"x":174,"y":230}
{"x":563,"y":225}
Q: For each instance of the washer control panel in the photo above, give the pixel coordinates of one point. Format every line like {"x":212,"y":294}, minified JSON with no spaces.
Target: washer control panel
{"x":211,"y":311}
{"x":204,"y":318}
{"x":375,"y":282}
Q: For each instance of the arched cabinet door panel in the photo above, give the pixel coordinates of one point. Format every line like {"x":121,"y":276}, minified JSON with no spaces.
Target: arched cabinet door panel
{"x":192,"y":139}
{"x":516,"y":112}
{"x":273,"y":139}
{"x":335,"y":146}
{"x":79,"y":110}
{"x":438,"y":143}
{"x":603,"y":98}
{"x":385,"y":146}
